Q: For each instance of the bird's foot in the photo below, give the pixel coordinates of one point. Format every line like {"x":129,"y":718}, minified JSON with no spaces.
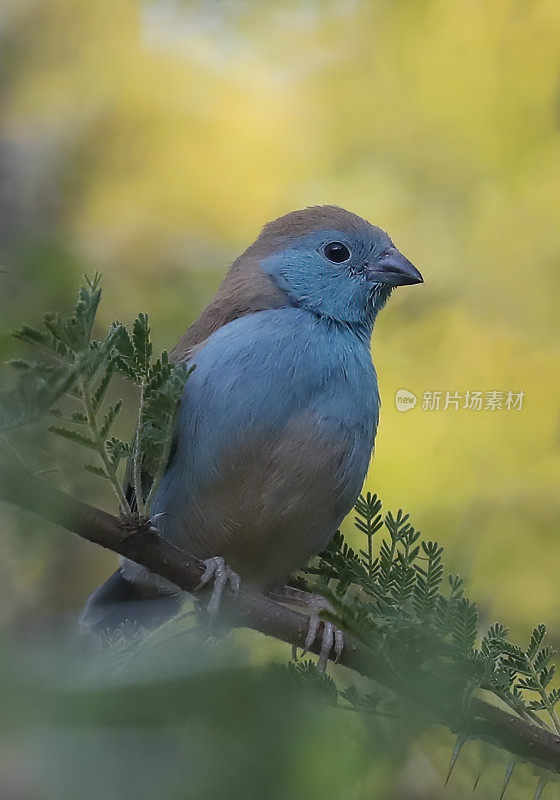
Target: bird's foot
{"x":218,"y":571}
{"x":332,"y":637}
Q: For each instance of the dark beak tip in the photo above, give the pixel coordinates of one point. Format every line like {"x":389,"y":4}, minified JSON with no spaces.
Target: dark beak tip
{"x":404,"y":277}
{"x":394,"y":269}
{"x":399,"y":270}
{"x":408,"y":280}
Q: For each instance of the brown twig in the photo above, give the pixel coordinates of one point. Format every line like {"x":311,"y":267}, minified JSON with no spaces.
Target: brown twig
{"x":20,"y":487}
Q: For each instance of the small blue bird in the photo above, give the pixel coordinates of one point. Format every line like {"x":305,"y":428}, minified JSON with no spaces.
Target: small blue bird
{"x":278,"y":420}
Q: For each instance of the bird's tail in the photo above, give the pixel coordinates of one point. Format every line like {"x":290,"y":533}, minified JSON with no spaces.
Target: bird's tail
{"x":119,"y":601}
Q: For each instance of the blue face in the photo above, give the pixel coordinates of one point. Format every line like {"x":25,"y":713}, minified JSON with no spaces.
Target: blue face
{"x":345,"y":276}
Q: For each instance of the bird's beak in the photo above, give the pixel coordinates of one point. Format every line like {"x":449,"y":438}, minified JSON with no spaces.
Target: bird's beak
{"x":393,"y":268}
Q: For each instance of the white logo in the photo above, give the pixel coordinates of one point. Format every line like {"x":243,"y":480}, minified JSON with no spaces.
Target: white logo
{"x":404,"y":400}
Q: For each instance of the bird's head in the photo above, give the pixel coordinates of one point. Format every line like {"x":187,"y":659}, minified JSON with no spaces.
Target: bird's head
{"x":333,"y":263}
{"x":325,"y":259}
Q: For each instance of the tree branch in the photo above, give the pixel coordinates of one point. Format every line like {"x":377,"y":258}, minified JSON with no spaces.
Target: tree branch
{"x":20,"y":487}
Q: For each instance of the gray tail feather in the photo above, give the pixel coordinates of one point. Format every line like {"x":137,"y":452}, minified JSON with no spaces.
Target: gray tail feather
{"x":118,"y":601}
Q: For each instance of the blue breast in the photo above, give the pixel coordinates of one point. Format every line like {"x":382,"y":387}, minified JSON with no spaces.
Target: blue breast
{"x":251,"y":378}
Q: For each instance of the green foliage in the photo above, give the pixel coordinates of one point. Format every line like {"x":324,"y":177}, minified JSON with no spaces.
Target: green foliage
{"x":73,"y":367}
{"x":304,"y":677}
{"x":423,"y":629}
{"x":393,"y":595}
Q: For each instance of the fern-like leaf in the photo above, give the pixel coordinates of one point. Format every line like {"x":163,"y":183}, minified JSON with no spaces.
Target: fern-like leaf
{"x":73,"y":436}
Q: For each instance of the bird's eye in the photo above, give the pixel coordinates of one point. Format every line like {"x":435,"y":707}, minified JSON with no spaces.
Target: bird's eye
{"x":337,"y":252}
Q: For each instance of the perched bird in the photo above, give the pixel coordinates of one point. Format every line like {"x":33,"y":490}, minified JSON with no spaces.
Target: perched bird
{"x":278,"y":419}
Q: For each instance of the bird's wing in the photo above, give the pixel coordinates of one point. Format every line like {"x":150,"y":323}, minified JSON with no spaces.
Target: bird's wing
{"x":245,"y":289}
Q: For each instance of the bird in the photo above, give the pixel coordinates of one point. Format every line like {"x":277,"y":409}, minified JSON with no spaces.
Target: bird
{"x":278,"y":418}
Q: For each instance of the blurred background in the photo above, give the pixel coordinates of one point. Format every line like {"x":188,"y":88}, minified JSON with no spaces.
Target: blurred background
{"x":152,"y":140}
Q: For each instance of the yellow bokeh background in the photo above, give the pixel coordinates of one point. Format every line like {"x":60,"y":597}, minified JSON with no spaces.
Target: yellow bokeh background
{"x":151,"y":141}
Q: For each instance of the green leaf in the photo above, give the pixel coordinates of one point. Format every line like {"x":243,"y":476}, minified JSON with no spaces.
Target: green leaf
{"x":465,"y":624}
{"x":428,"y":580}
{"x":554,"y":697}
{"x":73,"y":436}
{"x":546,"y":675}
{"x":74,"y":332}
{"x":141,"y":343}
{"x":95,"y":470}
{"x":101,"y":390}
{"x":543,"y":657}
{"x":32,"y":336}
{"x":116,"y":450}
{"x":536,"y":640}
{"x":109,"y":419}
{"x":121,"y":341}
